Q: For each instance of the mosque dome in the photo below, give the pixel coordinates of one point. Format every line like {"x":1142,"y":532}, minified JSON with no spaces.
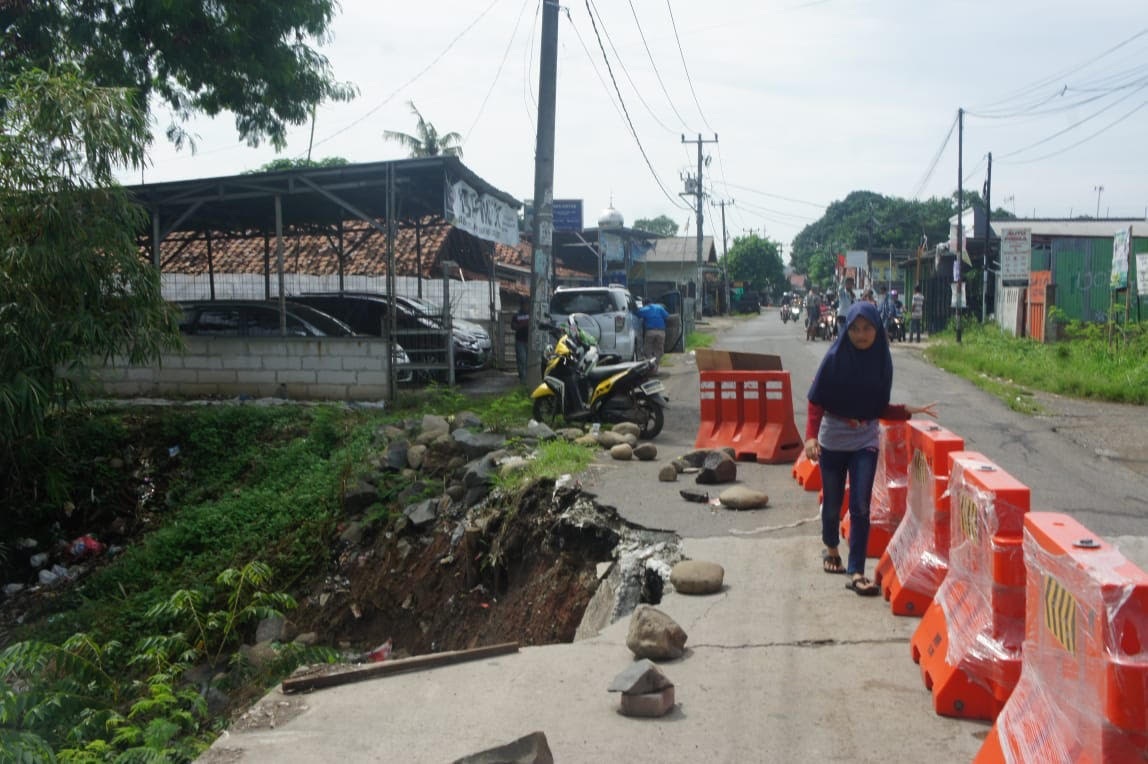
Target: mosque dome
{"x":611,"y":218}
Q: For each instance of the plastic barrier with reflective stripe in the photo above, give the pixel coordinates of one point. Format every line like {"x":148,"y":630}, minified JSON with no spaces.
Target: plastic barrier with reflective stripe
{"x":1083,"y":690}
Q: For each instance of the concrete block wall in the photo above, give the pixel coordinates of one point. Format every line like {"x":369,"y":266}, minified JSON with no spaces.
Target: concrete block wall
{"x":329,"y":368}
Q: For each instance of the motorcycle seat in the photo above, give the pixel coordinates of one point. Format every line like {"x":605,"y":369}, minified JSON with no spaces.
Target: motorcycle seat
{"x":598,"y":373}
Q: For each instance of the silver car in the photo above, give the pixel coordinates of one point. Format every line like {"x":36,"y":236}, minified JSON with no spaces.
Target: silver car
{"x":613,"y":312}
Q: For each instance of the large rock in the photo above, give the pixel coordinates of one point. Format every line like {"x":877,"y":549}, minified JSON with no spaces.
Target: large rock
{"x":743,"y":497}
{"x":623,"y":452}
{"x":627,"y":428}
{"x":648,"y":705}
{"x":640,"y":677}
{"x":697,"y":577}
{"x":531,"y":749}
{"x":359,"y":497}
{"x":422,"y":513}
{"x":395,"y":457}
{"x":718,"y":467}
{"x":431,"y":427}
{"x":415,"y":456}
{"x":608,"y":439}
{"x":667,"y":474}
{"x":477,"y":444}
{"x":467,"y":419}
{"x":655,"y":635}
{"x":646,"y":452}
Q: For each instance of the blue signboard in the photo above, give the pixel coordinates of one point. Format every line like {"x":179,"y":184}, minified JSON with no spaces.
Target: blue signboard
{"x":567,"y":214}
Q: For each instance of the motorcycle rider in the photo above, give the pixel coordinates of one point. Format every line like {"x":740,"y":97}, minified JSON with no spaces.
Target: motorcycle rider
{"x":812,"y":313}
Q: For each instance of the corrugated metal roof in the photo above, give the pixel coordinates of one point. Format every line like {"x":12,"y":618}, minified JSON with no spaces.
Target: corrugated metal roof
{"x":677,"y":249}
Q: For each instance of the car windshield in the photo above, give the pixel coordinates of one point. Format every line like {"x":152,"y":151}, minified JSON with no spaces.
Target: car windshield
{"x":564,"y":303}
{"x":330,"y":326}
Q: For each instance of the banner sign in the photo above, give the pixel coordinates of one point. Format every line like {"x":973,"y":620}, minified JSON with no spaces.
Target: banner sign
{"x":612,"y":247}
{"x":1016,"y":254}
{"x":1142,"y":274}
{"x":857,"y":258}
{"x":482,"y":215}
{"x":1121,"y":245}
{"x":567,"y":214}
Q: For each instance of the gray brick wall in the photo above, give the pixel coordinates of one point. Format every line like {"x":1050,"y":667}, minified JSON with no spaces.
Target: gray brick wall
{"x":311,"y":369}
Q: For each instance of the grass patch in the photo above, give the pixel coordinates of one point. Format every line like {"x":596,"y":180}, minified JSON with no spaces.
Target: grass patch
{"x":695,"y":340}
{"x":1084,"y":365}
{"x":552,"y":459}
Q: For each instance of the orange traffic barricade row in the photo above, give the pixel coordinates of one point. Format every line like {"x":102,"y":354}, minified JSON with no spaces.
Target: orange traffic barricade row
{"x":750,"y":412}
{"x":917,"y":557}
{"x":807,"y":473}
{"x":1083,"y":690}
{"x":890,"y":488}
{"x":969,"y":640}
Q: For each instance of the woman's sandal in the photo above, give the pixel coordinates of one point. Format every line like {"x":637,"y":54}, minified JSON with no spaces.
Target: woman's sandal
{"x":831,"y":563}
{"x":863,"y":587}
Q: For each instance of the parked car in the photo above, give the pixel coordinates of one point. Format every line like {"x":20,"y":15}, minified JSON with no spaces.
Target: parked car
{"x":260,"y":318}
{"x":614,"y":314}
{"x":477,"y":331}
{"x":421,"y":334}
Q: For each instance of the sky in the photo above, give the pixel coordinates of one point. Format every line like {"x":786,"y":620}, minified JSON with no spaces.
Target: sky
{"x":808,"y":102}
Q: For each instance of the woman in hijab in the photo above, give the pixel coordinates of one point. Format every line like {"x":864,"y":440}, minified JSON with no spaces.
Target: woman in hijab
{"x":849,"y":394}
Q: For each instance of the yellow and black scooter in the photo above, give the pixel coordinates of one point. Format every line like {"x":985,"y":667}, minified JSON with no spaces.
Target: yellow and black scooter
{"x":576,"y":389}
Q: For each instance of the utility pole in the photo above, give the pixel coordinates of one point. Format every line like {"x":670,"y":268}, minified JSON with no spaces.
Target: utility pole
{"x":724,"y":235}
{"x":699,"y":198}
{"x":985,"y":271}
{"x":1099,"y":190}
{"x":542,"y":229}
{"x":958,"y":276}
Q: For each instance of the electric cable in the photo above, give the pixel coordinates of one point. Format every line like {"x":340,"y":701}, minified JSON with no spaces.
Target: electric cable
{"x":776,"y":196}
{"x":686,"y":69}
{"x":409,"y":82}
{"x":629,"y":121}
{"x":594,"y":65}
{"x":625,"y":71}
{"x":1082,"y":140}
{"x":498,"y":72}
{"x":657,"y":73}
{"x":936,"y":158}
{"x":527,"y":90}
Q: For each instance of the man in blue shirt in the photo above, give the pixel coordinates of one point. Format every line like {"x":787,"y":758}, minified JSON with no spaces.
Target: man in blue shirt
{"x":654,"y":317}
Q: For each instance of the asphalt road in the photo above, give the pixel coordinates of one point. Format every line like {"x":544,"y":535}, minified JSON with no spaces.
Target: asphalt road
{"x":1101,"y":492}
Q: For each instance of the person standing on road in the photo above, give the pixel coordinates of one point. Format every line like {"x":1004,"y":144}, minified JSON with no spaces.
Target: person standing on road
{"x":850,"y":392}
{"x":916,"y":314}
{"x":654,"y":317}
{"x":812,"y":313}
{"x":521,"y":326}
{"x":845,"y":299}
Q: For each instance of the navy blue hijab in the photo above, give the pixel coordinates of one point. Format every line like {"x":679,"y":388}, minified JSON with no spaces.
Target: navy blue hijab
{"x":852,"y":383}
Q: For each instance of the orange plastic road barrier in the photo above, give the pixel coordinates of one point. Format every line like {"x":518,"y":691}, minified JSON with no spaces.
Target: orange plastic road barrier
{"x":807,"y":473}
{"x":1083,"y":691}
{"x":890,"y":488}
{"x":750,"y":412}
{"x":968,"y":642}
{"x":917,"y":557}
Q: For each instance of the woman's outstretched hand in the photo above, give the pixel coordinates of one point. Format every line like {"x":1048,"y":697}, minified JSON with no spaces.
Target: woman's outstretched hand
{"x":928,"y":408}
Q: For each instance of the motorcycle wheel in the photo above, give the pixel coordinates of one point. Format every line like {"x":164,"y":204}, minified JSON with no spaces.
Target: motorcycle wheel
{"x":546,"y":410}
{"x":650,"y":419}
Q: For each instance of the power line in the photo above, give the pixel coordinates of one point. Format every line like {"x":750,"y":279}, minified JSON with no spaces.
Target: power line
{"x":1082,"y":140}
{"x":1045,"y":81}
{"x":629,"y":121}
{"x":936,"y":158}
{"x":1074,"y":125}
{"x":625,"y":71}
{"x":497,"y":74}
{"x":594,"y":66}
{"x":686,"y":69}
{"x":527,"y":91}
{"x":657,"y":73}
{"x":775,"y":196}
{"x":413,"y":79}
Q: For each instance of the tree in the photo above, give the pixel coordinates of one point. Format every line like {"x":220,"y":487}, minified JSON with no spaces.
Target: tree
{"x":287,"y":163}
{"x":661,"y":225}
{"x":73,"y":286}
{"x":756,"y":260}
{"x":247,"y":57}
{"x":426,"y":142}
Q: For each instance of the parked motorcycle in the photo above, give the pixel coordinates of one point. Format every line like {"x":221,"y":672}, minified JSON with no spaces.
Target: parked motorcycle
{"x":575,"y":388}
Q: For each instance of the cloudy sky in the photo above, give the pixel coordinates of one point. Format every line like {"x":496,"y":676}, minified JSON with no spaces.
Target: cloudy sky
{"x":809,"y":101}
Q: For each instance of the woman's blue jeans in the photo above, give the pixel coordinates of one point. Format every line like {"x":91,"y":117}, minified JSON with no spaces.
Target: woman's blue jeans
{"x":861,"y":467}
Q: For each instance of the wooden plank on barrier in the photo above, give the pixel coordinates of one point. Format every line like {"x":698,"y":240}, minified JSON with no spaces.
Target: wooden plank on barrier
{"x":968,"y":642}
{"x":917,"y":557}
{"x":1083,"y":691}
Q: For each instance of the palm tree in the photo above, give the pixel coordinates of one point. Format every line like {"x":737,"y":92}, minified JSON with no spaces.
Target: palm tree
{"x":427,"y":142}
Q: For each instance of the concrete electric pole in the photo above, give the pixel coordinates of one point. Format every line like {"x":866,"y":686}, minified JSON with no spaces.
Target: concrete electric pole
{"x":699,"y":197}
{"x":542,"y":228}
